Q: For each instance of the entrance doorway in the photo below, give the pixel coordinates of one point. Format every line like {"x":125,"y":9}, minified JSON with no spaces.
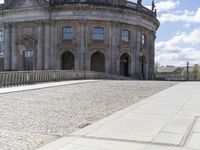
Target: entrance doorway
{"x":125,"y":61}
{"x":98,"y":62}
{"x":68,"y":61}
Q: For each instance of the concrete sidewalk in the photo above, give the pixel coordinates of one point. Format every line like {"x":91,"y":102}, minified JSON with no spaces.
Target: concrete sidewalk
{"x":42,"y":85}
{"x":169,"y":120}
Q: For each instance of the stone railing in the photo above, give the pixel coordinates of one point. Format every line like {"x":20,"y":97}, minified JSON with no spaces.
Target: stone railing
{"x":16,"y":78}
{"x":120,"y":4}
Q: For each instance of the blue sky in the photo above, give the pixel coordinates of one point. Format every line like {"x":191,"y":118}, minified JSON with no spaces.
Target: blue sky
{"x":178,"y":38}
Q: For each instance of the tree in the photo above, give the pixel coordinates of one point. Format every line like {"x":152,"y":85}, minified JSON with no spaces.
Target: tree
{"x":156,"y":68}
{"x":184,"y":73}
{"x":195,"y":72}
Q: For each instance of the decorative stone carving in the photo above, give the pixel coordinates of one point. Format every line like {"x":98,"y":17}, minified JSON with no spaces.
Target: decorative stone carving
{"x":28,"y":42}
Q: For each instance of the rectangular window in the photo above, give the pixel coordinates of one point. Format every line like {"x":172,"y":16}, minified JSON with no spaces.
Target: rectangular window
{"x":1,"y":35}
{"x":28,"y":60}
{"x":144,"y":39}
{"x":125,"y":35}
{"x":98,"y":34}
{"x":68,"y":33}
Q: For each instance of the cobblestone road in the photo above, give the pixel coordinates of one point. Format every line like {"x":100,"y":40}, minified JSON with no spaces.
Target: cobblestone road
{"x":33,"y":118}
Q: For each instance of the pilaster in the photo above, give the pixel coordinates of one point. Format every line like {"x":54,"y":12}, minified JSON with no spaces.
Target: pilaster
{"x":47,"y":44}
{"x":7,"y":50}
{"x":14,"y":47}
{"x":40,"y":46}
{"x":138,"y":51}
{"x":82,"y":45}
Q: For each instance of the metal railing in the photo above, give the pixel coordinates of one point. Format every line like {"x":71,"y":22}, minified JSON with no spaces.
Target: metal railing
{"x":16,"y":78}
{"x":179,"y":77}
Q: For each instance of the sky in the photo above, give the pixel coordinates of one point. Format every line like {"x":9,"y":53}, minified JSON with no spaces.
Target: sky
{"x":178,"y":38}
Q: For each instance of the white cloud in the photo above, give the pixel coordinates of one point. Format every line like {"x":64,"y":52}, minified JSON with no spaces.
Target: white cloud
{"x":176,"y":55}
{"x":168,"y":5}
{"x":181,"y":16}
{"x":171,"y":52}
{"x":182,"y":37}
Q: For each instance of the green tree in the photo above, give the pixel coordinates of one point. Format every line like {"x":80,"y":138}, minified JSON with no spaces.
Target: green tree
{"x":195,"y":72}
{"x":184,"y":73}
{"x":156,"y":68}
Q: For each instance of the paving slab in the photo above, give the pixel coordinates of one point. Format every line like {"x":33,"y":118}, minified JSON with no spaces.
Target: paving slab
{"x":168,"y":120}
{"x":34,"y":115}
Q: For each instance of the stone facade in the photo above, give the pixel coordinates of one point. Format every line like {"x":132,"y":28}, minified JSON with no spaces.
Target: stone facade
{"x":33,"y":37}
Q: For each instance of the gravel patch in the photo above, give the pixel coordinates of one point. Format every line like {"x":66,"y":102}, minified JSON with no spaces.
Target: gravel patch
{"x":33,"y":118}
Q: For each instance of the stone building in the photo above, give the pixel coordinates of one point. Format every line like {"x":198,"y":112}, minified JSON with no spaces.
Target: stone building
{"x":109,"y":36}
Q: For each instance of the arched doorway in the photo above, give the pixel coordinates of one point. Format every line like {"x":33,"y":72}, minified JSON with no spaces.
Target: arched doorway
{"x":125,"y":61}
{"x":143,"y":62}
{"x":68,"y":61}
{"x":98,"y":62}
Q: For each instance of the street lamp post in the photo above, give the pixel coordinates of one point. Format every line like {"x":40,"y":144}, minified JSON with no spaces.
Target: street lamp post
{"x":188,"y":74}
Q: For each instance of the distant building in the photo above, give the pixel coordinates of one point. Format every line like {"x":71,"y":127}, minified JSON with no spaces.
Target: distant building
{"x":177,"y":73}
{"x":110,"y":36}
{"x":169,"y":70}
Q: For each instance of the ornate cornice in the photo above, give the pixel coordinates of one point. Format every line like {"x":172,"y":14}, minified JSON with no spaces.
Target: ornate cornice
{"x":79,"y":7}
{"x":82,"y":7}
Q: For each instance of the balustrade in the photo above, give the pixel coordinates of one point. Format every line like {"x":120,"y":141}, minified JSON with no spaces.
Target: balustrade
{"x":19,"y":78}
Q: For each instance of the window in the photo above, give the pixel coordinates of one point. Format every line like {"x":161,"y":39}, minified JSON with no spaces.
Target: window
{"x":68,"y":33}
{"x":125,"y":35}
{"x":98,"y":34}
{"x":144,"y":39}
{"x":1,"y":35}
{"x":28,"y":60}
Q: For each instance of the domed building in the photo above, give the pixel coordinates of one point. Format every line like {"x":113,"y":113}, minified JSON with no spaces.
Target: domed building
{"x":112,"y":36}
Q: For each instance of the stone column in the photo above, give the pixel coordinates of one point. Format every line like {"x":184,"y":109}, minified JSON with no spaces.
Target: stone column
{"x":134,"y":51}
{"x":52,"y":48}
{"x":14,"y":48}
{"x":82,"y":45}
{"x":138,"y":51}
{"x":40,"y":48}
{"x":151,"y":57}
{"x":47,"y":52}
{"x":7,"y":50}
{"x":115,"y":39}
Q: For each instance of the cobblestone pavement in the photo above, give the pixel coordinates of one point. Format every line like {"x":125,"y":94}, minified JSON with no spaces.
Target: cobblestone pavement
{"x":33,"y":118}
